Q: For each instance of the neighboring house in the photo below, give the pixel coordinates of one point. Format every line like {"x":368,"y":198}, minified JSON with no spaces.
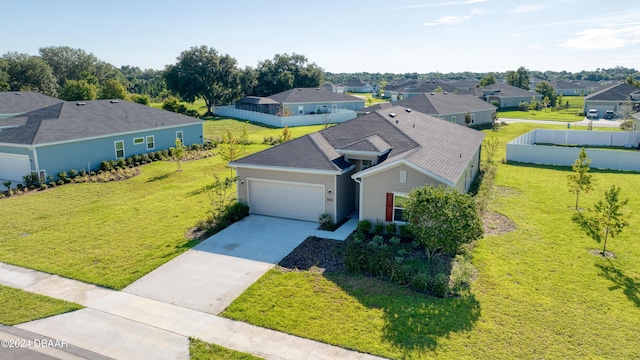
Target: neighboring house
{"x":80,"y":135}
{"x":590,"y":86}
{"x":506,"y":96}
{"x":15,"y":103}
{"x":305,"y":101}
{"x":259,"y":104}
{"x":566,"y":88}
{"x":534,"y":80}
{"x":445,"y":106}
{"x":367,"y":164}
{"x":403,"y":90}
{"x":612,"y":98}
{"x":358,"y":86}
{"x":465,"y":85}
{"x":333,"y":87}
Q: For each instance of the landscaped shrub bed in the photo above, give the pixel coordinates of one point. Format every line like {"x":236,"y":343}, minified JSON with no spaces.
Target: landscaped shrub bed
{"x":402,"y":260}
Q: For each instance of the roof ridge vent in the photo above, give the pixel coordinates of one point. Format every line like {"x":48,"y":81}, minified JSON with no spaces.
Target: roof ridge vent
{"x":445,"y":92}
{"x":81,"y":103}
{"x":113,"y":101}
{"x":407,"y":110}
{"x":392,"y":115}
{"x":433,"y":93}
{"x":18,"y":93}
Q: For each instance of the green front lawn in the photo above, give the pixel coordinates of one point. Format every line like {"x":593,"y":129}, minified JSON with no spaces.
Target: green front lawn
{"x":19,"y":306}
{"x":200,"y":350}
{"x":564,"y":114}
{"x":540,"y":292}
{"x":111,"y":234}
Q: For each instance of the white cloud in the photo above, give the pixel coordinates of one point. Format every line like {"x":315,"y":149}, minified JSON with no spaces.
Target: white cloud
{"x":444,"y":3}
{"x":448,"y":20}
{"x":604,"y":38}
{"x":537,"y":47}
{"x":527,"y":8}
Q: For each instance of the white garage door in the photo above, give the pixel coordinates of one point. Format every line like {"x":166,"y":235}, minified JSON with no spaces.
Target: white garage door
{"x":14,"y":167}
{"x":286,"y":199}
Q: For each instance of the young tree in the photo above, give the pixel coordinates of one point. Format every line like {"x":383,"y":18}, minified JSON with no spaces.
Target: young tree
{"x":490,"y":148}
{"x":468,"y":119}
{"x":178,"y":153}
{"x":580,"y":180}
{"x":229,"y":150}
{"x":608,"y":216}
{"x":219,"y":195}
{"x":442,"y":219}
{"x":201,"y":72}
{"x":495,"y":124}
{"x":244,"y":138}
{"x":286,"y":134}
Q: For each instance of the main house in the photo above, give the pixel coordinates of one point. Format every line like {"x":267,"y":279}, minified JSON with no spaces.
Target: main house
{"x":446,"y":106}
{"x":358,"y":86}
{"x":54,"y":136}
{"x":368,"y":164}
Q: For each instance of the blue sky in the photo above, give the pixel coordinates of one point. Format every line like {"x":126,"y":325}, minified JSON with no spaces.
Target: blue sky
{"x":339,"y":35}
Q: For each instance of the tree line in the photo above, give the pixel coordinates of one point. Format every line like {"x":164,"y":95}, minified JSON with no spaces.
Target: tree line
{"x":73,"y":74}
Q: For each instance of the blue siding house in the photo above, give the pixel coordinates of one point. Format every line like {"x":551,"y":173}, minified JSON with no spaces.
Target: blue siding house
{"x":80,"y":135}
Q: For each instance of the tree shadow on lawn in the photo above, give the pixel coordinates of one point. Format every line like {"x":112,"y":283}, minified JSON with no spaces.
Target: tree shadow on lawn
{"x":630,"y":286}
{"x":412,"y":321}
{"x":160,"y":177}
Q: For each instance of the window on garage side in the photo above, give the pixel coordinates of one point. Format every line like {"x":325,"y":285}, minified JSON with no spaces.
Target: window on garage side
{"x":151,"y":144}
{"x":119,"y":147}
{"x":138,"y":141}
{"x":180,"y":136}
{"x":396,"y":204}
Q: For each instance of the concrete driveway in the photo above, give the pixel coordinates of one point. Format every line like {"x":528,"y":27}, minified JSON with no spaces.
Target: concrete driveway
{"x":211,"y":275}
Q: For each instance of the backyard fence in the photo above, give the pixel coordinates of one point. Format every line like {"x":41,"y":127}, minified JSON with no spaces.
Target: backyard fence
{"x":538,"y":147}
{"x":338,"y":116}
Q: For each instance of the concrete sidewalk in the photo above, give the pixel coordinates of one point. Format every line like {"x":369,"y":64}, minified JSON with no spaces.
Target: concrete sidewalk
{"x":136,"y":324}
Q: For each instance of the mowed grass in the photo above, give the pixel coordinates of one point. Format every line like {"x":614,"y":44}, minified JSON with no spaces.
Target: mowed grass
{"x":200,"y":350}
{"x":19,"y":306}
{"x":111,"y":234}
{"x":540,"y":292}
{"x":576,"y":104}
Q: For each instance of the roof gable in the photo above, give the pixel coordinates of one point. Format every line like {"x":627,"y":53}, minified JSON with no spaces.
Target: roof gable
{"x":13,"y":103}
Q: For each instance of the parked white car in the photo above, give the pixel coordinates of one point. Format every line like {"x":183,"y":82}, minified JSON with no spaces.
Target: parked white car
{"x":592,"y":114}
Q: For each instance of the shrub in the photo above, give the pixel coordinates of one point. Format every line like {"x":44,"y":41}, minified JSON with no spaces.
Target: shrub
{"x":192,"y":113}
{"x":405,"y":232}
{"x":144,"y":158}
{"x":62,"y":175}
{"x":523,"y":106}
{"x":196,"y":147}
{"x":107,"y":165}
{"x":164,"y":153}
{"x":83,"y":172}
{"x":73,"y":173}
{"x":378,"y":228}
{"x":43,"y":187}
{"x":31,"y":181}
{"x":326,"y":222}
{"x":462,"y":274}
{"x":391,"y":229}
{"x":438,"y":285}
{"x":364,"y":226}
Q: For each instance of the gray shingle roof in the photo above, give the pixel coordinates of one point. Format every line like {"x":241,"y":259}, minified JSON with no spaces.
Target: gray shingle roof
{"x":355,"y":83}
{"x":421,"y":86}
{"x":372,"y":144}
{"x":309,"y":95}
{"x":439,"y":103}
{"x":257,"y":100}
{"x":620,"y":92}
{"x":439,"y":147}
{"x":507,"y":90}
{"x":67,"y":121}
{"x":12,"y":102}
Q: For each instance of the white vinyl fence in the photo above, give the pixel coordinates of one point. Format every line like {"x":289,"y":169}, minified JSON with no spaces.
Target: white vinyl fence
{"x":524,"y":148}
{"x":282,"y":121}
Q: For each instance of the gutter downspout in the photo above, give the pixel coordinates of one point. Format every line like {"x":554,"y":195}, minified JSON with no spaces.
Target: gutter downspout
{"x":360,"y":209}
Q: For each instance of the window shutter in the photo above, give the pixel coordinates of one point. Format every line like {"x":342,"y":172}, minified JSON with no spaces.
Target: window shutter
{"x":389,"y":209}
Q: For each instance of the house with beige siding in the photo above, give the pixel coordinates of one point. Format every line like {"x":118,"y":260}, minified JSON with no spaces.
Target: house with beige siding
{"x":365,"y":166}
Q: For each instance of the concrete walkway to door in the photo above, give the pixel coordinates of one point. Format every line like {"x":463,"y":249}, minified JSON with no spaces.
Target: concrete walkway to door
{"x":153,"y":317}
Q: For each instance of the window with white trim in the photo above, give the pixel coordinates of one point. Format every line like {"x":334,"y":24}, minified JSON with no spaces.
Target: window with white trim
{"x":403,"y":177}
{"x":151,"y":144}
{"x":399,"y":203}
{"x":180,"y":136}
{"x":138,"y":141}
{"x":119,"y":147}
{"x":366,"y":164}
{"x":453,"y":119}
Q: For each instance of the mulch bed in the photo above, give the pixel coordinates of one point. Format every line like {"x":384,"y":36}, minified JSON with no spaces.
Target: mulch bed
{"x":496,"y":224}
{"x":316,"y":255}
